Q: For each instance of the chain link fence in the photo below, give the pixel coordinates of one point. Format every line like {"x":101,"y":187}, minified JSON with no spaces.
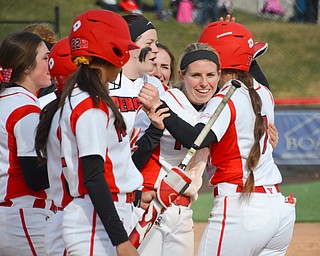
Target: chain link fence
{"x":11,"y":25}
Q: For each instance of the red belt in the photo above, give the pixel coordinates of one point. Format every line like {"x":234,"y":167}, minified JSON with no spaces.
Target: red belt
{"x":130,"y":197}
{"x":258,"y":189}
{"x":183,"y":200}
{"x":38,"y":203}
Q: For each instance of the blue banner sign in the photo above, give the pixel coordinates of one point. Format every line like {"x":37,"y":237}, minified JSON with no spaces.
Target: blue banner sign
{"x":299,"y":137}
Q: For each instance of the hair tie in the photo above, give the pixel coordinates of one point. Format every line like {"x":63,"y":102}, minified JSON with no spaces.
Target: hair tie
{"x":5,"y":75}
{"x":82,"y":60}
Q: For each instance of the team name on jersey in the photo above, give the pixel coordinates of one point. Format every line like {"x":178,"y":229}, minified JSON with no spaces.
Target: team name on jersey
{"x":126,"y":104}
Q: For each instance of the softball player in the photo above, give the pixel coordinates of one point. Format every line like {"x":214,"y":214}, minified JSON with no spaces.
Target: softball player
{"x":164,"y":68}
{"x":134,"y":74}
{"x":24,"y":207}
{"x":95,"y":147}
{"x":250,"y":215}
{"x":173,"y":232}
{"x":48,"y":145}
{"x":47,"y":34}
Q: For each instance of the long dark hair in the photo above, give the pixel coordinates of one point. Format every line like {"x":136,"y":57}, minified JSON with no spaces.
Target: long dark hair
{"x":19,"y":51}
{"x":89,"y":80}
{"x":259,"y":128}
{"x":43,"y":128}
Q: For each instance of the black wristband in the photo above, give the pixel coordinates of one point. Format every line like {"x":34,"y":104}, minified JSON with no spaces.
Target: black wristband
{"x":137,"y":198}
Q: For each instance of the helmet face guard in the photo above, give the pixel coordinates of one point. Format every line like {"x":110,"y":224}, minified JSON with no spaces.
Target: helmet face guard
{"x":233,"y":42}
{"x":60,"y":63}
{"x":102,"y":34}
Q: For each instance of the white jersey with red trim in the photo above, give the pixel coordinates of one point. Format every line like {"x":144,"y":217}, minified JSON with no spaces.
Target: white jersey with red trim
{"x":58,"y":190}
{"x":19,"y":117}
{"x":87,"y":130}
{"x":126,"y":97}
{"x":169,"y":152}
{"x":234,"y":130}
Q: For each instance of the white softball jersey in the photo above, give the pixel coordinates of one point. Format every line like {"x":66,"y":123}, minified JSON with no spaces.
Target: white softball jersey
{"x":169,"y":152}
{"x":234,"y":131}
{"x":24,"y":212}
{"x":126,"y":97}
{"x":58,"y":191}
{"x":85,"y":131}
{"x":173,"y":231}
{"x":18,"y":121}
{"x":262,"y":224}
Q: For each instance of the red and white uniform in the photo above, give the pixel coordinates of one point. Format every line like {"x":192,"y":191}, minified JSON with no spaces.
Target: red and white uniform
{"x":175,"y":226}
{"x":126,"y":97}
{"x":23,"y":212}
{"x":264,"y":224}
{"x":99,"y":138}
{"x":58,"y":191}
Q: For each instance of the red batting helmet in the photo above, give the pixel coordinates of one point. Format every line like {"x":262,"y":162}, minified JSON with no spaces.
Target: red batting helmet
{"x":232,"y":41}
{"x":60,"y":63}
{"x":102,"y":34}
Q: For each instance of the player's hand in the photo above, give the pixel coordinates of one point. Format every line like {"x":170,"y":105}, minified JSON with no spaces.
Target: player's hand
{"x":126,"y":249}
{"x":274,"y":136}
{"x":157,"y":116}
{"x":149,"y":96}
{"x":228,"y":18}
{"x":146,"y":198}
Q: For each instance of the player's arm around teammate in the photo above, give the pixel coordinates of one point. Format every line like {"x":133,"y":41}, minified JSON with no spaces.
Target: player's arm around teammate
{"x":23,"y":200}
{"x":199,"y":73}
{"x":247,"y":199}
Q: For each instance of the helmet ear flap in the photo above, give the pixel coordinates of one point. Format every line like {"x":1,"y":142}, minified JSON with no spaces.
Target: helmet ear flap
{"x":60,"y":63}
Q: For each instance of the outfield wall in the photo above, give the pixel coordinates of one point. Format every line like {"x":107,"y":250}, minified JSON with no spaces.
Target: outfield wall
{"x":298,"y":125}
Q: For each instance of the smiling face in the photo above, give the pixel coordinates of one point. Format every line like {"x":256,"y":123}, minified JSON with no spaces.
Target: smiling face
{"x":162,"y":67}
{"x":147,"y":39}
{"x":200,"y":81}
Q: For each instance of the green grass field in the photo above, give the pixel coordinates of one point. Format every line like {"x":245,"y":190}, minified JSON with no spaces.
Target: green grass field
{"x":307,"y":207}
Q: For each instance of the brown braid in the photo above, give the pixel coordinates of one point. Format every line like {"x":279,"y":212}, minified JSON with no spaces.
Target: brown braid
{"x":259,"y":130}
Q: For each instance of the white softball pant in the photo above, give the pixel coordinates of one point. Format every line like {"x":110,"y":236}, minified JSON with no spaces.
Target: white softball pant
{"x":78,"y":221}
{"x":54,"y":243}
{"x":171,"y":235}
{"x":262,"y":226}
{"x":22,"y":228}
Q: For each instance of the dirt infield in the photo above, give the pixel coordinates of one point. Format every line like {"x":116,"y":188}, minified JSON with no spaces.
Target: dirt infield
{"x":305,"y":241}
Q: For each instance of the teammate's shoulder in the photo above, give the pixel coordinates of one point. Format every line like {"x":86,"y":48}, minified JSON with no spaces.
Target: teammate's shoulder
{"x":174,"y":95}
{"x":174,"y":92}
{"x":23,"y":96}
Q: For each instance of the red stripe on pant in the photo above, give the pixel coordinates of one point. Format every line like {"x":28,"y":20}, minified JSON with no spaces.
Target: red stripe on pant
{"x":93,"y":231}
{"x":25,"y":229}
{"x":223,"y":225}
